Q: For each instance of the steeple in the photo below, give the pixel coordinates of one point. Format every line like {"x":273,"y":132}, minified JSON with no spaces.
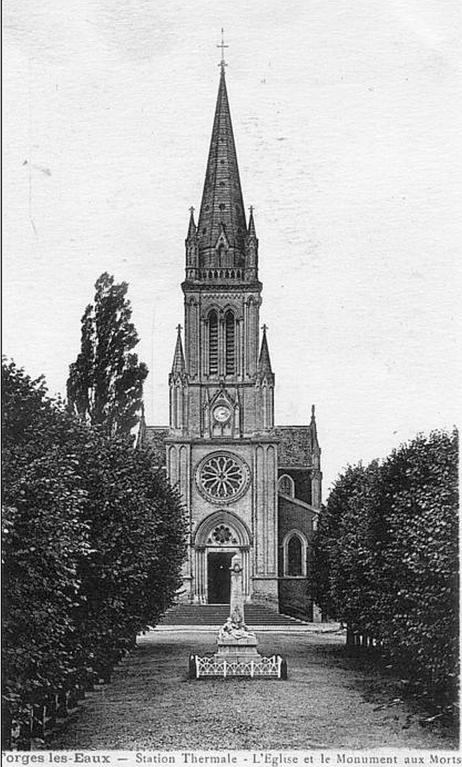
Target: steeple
{"x":222,"y":207}
{"x":178,"y":365}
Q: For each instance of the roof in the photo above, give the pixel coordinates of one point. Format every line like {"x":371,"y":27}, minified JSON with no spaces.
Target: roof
{"x":154,"y":443}
{"x":294,"y":445}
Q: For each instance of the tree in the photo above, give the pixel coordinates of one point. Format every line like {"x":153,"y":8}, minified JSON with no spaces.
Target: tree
{"x":105,"y":383}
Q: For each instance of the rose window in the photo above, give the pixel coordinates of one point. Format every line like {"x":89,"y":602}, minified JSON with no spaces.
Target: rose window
{"x":222,"y":477}
{"x":222,"y":534}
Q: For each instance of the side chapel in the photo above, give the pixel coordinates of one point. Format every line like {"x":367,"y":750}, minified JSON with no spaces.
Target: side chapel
{"x":248,"y":486}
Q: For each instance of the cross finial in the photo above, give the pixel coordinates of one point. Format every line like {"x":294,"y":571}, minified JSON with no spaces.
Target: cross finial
{"x":251,"y":209}
{"x":178,"y":327}
{"x":264,"y":328}
{"x":192,"y":209}
{"x":222,"y":45}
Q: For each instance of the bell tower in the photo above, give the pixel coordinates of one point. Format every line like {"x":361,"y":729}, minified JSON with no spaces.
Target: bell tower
{"x":221,"y":446}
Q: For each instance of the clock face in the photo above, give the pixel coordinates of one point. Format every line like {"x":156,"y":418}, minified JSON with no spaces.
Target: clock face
{"x":222,"y":413}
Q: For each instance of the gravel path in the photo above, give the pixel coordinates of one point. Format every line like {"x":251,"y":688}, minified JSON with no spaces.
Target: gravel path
{"x":329,"y":701}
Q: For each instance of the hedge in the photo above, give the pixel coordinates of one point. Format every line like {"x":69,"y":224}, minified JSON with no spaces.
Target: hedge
{"x":386,"y":558}
{"x":93,"y":542}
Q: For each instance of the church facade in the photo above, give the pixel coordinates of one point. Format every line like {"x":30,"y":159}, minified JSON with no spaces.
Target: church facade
{"x":247,"y":485}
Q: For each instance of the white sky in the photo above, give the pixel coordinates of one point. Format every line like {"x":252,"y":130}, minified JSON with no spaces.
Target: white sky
{"x":347,"y":120}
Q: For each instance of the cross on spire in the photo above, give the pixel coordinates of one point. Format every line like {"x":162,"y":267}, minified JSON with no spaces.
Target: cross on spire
{"x":178,"y":327}
{"x":264,"y":328}
{"x":222,"y":45}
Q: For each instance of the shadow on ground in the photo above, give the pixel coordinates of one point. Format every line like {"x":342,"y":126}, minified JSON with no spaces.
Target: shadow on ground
{"x":330,"y":700}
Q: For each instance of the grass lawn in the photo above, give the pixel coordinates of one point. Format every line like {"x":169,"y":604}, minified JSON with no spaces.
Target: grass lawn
{"x":329,"y":701}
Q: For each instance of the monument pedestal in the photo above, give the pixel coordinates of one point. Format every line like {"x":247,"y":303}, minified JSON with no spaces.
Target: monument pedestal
{"x":237,"y":654}
{"x":244,"y":649}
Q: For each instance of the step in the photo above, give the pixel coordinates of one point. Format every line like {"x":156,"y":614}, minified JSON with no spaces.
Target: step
{"x":215,"y":615}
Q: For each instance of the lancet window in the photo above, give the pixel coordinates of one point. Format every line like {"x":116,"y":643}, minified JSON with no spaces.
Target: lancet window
{"x":230,"y":343}
{"x":294,"y":554}
{"x":213,"y":343}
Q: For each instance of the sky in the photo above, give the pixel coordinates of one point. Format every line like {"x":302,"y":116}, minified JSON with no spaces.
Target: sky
{"x":347,"y":119}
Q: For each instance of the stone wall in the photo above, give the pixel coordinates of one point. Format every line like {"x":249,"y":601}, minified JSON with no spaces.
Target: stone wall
{"x":294,"y":598}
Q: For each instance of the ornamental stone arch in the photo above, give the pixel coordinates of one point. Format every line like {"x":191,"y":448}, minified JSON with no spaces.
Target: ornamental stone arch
{"x":221,"y":532}
{"x":204,"y":534}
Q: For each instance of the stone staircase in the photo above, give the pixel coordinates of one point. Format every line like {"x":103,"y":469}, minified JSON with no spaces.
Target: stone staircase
{"x":213,"y":616}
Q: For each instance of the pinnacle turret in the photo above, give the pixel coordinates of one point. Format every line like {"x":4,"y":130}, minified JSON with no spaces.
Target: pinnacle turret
{"x":251,"y":230}
{"x":251,"y":250}
{"x":313,"y":429}
{"x":264,"y":361}
{"x":178,"y":365}
{"x":192,"y":226}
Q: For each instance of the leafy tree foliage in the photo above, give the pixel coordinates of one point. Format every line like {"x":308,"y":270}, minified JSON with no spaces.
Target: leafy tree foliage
{"x":105,"y":383}
{"x":387,"y":550}
{"x":93,"y":541}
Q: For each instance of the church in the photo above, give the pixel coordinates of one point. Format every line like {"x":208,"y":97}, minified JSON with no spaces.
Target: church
{"x":248,"y":486}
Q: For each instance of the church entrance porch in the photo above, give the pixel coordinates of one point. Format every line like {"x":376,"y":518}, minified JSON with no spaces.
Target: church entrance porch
{"x":219,"y":577}
{"x":218,"y":537}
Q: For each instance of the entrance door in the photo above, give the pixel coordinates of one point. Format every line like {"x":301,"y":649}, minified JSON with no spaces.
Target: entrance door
{"x":219,"y":578}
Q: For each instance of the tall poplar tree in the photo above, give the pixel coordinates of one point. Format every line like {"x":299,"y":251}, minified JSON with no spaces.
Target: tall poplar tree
{"x":105,"y":384}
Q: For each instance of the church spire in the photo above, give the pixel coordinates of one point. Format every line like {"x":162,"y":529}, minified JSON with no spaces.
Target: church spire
{"x":222,"y":206}
{"x":178,"y":365}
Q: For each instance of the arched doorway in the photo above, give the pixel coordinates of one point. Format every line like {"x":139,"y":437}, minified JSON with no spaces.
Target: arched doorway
{"x":217,"y":538}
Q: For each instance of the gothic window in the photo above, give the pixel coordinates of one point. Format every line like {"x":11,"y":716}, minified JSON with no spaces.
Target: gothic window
{"x":222,"y":477}
{"x":213,"y":343}
{"x":295,"y":552}
{"x":294,"y":555}
{"x":286,"y":485}
{"x":230,"y":343}
{"x":222,"y":535}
